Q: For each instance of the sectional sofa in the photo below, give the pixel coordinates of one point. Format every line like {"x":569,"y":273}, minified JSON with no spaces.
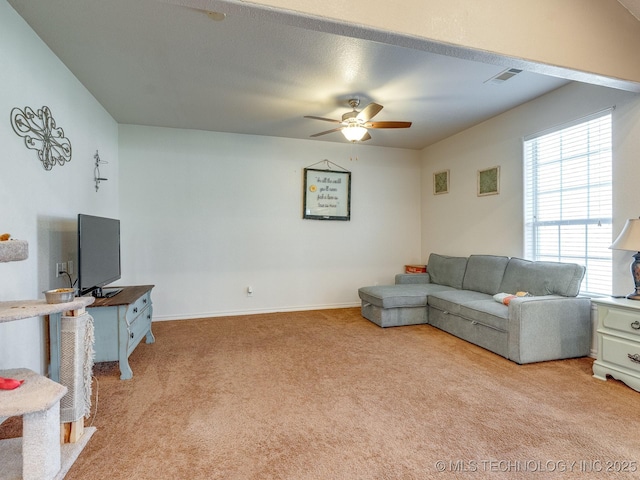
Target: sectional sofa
{"x":474,"y":298}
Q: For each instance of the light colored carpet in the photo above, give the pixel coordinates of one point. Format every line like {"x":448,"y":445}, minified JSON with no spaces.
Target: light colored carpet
{"x":329,"y":395}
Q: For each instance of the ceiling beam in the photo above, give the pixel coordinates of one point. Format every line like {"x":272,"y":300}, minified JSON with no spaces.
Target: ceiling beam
{"x":593,"y":41}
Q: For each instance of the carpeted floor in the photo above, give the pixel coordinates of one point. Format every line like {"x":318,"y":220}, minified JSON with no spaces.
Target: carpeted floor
{"x":328,"y":395}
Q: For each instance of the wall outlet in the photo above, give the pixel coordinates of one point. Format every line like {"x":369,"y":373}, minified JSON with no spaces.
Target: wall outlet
{"x":70,"y":267}
{"x":61,"y":267}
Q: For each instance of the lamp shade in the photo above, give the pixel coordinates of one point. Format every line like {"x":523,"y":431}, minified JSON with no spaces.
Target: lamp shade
{"x":354,"y":132}
{"x":629,"y":238}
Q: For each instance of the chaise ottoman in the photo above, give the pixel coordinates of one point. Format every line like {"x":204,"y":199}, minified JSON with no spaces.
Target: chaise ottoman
{"x":397,"y":305}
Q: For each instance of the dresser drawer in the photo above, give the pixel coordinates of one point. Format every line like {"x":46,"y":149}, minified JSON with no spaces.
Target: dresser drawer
{"x":621,"y":352}
{"x":622,"y":320}
{"x":136,"y":308}
{"x":139,"y":328}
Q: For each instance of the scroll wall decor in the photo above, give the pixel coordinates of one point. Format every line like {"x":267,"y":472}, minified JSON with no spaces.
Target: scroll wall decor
{"x":40,"y":133}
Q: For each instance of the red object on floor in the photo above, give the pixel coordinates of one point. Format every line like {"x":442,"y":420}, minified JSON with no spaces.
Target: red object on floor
{"x":9,"y":383}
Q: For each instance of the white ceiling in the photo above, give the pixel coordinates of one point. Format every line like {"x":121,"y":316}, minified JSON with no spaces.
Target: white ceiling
{"x":151,"y":62}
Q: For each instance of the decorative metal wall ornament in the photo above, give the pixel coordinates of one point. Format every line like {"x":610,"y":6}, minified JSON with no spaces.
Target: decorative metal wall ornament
{"x":40,"y":133}
{"x":96,"y":171}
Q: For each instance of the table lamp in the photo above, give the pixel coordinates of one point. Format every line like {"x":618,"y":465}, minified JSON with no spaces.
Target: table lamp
{"x":629,"y":239}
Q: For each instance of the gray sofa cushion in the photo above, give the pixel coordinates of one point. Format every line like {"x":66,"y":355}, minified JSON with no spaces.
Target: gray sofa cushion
{"x":407,"y":278}
{"x":445,"y":270}
{"x":395,"y":296}
{"x":451,"y":301}
{"x":484,"y":273}
{"x":542,"y":278}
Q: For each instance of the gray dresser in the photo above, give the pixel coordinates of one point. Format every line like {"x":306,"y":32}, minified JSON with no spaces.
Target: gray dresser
{"x":120,"y":324}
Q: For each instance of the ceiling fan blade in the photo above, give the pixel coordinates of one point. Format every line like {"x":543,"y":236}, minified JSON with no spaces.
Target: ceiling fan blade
{"x":328,"y":131}
{"x":365,"y":137}
{"x":369,"y":112}
{"x":387,"y":124}
{"x":323,"y":119}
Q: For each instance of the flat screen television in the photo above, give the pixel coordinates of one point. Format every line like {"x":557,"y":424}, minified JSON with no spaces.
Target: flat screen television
{"x":98,"y":254}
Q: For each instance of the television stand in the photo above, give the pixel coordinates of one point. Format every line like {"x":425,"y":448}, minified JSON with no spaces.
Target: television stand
{"x":120,"y":323}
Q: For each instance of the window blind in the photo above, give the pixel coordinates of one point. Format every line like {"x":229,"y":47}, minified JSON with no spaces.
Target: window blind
{"x":568,"y":197}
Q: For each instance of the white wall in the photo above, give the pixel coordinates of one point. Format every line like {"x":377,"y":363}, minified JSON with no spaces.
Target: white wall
{"x":37,"y":205}
{"x":207,"y":214}
{"x":468,"y":224}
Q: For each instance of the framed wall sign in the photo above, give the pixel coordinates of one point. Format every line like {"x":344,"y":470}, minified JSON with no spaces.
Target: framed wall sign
{"x":327,"y":195}
{"x":441,"y":182}
{"x":489,"y":181}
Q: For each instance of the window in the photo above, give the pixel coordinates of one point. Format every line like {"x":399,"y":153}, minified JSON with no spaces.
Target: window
{"x":568,"y":206}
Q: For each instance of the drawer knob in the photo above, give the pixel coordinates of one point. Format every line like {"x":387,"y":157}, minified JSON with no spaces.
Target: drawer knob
{"x":135,"y":309}
{"x":634,"y":358}
{"x":636,"y":325}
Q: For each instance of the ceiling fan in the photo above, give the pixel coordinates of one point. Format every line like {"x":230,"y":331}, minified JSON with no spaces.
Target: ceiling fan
{"x":354,"y":124}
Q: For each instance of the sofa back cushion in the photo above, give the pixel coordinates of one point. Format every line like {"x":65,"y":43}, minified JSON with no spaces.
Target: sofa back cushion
{"x":542,"y":278}
{"x":484,"y":273}
{"x":445,"y":270}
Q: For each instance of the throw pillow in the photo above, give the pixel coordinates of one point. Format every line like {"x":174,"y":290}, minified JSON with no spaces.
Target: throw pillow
{"x":505,"y":298}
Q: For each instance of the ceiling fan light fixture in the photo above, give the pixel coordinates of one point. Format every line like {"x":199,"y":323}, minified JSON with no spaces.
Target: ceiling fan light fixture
{"x":354,"y":133}
{"x":355,"y":125}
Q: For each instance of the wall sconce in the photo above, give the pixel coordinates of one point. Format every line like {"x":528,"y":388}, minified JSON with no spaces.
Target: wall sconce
{"x":96,"y":171}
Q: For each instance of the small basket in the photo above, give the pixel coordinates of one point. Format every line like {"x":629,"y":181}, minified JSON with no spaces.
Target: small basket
{"x":415,"y":269}
{"x":60,"y":295}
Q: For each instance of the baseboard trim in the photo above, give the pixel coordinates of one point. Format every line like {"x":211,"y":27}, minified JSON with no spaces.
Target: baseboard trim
{"x":257,"y":311}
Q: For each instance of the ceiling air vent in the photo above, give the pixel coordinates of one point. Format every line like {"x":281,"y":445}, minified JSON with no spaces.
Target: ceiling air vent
{"x":504,"y":76}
